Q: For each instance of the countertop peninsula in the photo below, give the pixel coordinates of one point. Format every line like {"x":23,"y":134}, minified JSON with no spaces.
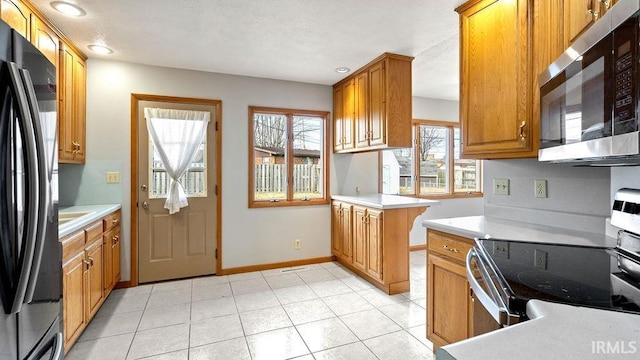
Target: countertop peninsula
{"x":383,"y":201}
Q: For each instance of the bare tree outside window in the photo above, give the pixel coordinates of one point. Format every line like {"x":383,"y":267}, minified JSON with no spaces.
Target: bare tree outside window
{"x":430,"y":138}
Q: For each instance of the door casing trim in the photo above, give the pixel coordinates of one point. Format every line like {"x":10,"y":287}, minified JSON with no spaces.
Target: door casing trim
{"x":135,"y":98}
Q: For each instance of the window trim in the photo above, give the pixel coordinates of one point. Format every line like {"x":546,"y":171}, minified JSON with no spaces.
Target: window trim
{"x":415,"y":127}
{"x":289,"y":201}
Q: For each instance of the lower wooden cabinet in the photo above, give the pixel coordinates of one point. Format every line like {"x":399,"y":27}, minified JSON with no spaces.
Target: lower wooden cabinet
{"x":111,"y":244}
{"x":341,"y":232}
{"x":73,"y":289}
{"x":451,"y":310}
{"x":379,"y":243}
{"x":91,"y":268}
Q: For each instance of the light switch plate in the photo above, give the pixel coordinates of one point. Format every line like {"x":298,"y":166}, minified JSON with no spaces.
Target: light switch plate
{"x":113,"y":177}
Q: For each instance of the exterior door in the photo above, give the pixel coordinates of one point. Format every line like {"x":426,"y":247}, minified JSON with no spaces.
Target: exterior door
{"x":183,"y":244}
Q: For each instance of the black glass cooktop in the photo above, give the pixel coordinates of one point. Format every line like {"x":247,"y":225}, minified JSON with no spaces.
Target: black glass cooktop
{"x":560,"y":273}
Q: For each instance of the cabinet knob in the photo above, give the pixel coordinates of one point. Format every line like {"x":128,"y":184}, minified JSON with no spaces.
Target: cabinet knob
{"x":606,"y":3}
{"x":595,"y":14}
{"x":115,"y":239}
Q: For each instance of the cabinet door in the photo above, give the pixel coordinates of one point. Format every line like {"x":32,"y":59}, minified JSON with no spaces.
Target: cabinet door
{"x":377,"y":105}
{"x":360,"y":238}
{"x":374,"y":243}
{"x":95,"y":287}
{"x":45,"y":39}
{"x":73,"y":293}
{"x":496,"y":117}
{"x":346,"y":231}
{"x":336,"y":229}
{"x":361,"y":116}
{"x":115,"y":256}
{"x":578,"y":16}
{"x":78,"y":119}
{"x":18,"y":16}
{"x":72,"y":109}
{"x":348,"y":109}
{"x":338,"y":121}
{"x":448,"y":302}
{"x":108,"y":264}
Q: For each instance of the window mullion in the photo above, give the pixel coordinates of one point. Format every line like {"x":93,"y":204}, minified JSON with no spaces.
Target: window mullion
{"x":451,"y":161}
{"x":416,"y":159}
{"x":289,"y":158}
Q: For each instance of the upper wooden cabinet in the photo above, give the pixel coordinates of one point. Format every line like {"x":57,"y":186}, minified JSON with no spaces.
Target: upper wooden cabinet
{"x":71,"y":74}
{"x":581,"y":14}
{"x":372,"y":108}
{"x":496,"y":88}
{"x":343,"y":113}
{"x":45,"y":39}
{"x":72,"y":106}
{"x":17,"y":15}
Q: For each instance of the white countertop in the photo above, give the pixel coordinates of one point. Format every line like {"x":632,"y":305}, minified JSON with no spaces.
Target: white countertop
{"x":555,"y":331}
{"x":96,"y":212}
{"x":485,"y":227}
{"x":382,"y":201}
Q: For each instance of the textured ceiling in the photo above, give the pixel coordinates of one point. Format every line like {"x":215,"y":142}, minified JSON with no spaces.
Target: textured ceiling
{"x":296,"y":40}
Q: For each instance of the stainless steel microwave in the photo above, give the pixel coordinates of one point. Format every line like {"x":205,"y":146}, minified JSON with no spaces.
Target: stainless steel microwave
{"x":589,"y":96}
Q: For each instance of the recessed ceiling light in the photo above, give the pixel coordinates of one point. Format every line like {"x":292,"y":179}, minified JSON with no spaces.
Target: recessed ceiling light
{"x":100,"y":49}
{"x":342,"y":70}
{"x":68,"y":8}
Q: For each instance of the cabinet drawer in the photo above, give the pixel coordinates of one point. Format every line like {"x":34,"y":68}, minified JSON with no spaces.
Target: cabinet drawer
{"x":448,"y":245}
{"x":72,"y":244}
{"x":93,"y":231}
{"x":112,"y":220}
{"x":112,"y":237}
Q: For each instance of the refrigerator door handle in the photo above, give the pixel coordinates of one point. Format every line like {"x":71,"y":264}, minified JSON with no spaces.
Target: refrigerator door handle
{"x":32,"y":187}
{"x":43,"y":182}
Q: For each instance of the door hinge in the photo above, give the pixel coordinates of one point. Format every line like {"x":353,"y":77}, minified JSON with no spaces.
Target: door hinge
{"x":215,"y":189}
{"x":216,"y":126}
{"x":216,"y":253}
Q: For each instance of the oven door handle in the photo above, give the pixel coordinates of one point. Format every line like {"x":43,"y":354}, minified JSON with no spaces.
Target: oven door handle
{"x":493,"y":305}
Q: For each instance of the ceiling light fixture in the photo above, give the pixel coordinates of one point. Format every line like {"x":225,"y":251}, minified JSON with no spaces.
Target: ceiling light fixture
{"x":100,"y":49}
{"x":68,"y":8}
{"x":342,"y":70}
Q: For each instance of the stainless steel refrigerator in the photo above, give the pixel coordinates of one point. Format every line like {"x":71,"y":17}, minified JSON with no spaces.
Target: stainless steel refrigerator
{"x":30,"y":255}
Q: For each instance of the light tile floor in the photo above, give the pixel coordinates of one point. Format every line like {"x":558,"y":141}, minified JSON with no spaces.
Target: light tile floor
{"x":320,"y":312}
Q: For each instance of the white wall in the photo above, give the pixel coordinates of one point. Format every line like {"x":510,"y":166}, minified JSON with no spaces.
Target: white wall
{"x":578,"y":197}
{"x":249,"y":236}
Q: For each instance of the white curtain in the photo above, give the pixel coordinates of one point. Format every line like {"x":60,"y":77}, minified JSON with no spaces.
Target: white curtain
{"x":177,"y":135}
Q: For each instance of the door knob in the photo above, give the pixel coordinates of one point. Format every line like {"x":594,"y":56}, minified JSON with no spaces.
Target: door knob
{"x":143,"y":187}
{"x":145,"y":205}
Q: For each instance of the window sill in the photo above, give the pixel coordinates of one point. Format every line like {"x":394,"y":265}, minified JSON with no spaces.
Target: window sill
{"x":284,"y":203}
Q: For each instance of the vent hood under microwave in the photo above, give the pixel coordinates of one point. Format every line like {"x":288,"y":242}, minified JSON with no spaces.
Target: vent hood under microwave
{"x":589,"y":96}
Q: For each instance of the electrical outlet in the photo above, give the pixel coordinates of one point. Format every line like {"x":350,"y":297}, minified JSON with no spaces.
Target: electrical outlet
{"x":113,"y":177}
{"x":501,"y":186}
{"x":501,"y":249}
{"x":541,"y":188}
{"x":298,"y":244}
{"x":540,"y":259}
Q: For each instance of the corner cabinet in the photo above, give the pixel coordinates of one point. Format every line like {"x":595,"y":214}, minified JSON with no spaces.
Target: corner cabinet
{"x":496,"y":80}
{"x":374,"y":243}
{"x":373,"y":107}
{"x":451,"y":309}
